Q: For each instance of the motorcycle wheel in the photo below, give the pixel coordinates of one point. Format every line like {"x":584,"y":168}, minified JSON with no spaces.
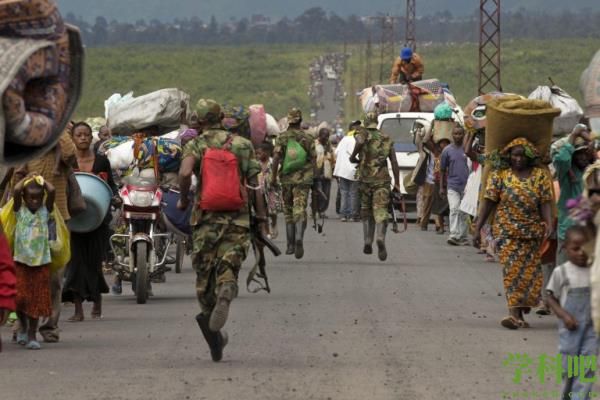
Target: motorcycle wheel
{"x":141,"y":275}
{"x":179,"y":255}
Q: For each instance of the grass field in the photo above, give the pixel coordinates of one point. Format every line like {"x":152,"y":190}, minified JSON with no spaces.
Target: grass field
{"x":277,"y":76}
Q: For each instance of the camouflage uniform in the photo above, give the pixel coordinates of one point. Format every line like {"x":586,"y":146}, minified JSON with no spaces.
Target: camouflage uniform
{"x":375,"y":182}
{"x":373,"y":174}
{"x":296,"y":185}
{"x":221,"y":239}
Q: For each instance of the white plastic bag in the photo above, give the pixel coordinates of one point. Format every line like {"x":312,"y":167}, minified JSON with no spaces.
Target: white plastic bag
{"x":571,"y":112}
{"x":121,"y":157}
{"x":162,"y":108}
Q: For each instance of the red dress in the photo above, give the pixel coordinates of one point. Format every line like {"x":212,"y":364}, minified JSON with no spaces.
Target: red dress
{"x":8,"y":281}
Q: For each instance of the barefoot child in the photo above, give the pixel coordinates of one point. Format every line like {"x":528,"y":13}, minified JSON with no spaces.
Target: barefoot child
{"x":569,"y":298}
{"x":31,"y":252}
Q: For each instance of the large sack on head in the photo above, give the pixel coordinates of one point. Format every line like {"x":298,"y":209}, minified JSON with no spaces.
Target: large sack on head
{"x":40,"y":86}
{"x":272,"y":126}
{"x":590,"y":87}
{"x":571,"y":112}
{"x":258,"y":124}
{"x":162,"y":108}
{"x":510,"y":117}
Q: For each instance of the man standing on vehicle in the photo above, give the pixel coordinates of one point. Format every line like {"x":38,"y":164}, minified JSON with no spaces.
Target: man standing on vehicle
{"x":372,"y":151}
{"x":295,"y":152}
{"x":407,"y":68}
{"x":221,"y":238}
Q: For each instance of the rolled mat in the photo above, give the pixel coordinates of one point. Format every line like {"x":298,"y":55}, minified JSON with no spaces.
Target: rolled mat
{"x":14,"y":52}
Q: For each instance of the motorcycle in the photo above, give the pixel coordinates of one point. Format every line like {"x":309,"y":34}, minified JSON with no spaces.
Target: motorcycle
{"x":145,"y":243}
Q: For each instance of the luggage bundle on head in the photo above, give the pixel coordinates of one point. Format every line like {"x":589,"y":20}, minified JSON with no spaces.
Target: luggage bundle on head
{"x":590,"y":87}
{"x":163,"y":109}
{"x":475,"y":111}
{"x":258,"y":124}
{"x":570,"y":113}
{"x":40,"y":66}
{"x":510,"y":117}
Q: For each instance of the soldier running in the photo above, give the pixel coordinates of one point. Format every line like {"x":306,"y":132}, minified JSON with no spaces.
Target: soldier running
{"x":221,"y":238}
{"x":372,"y":151}
{"x":296,"y":154}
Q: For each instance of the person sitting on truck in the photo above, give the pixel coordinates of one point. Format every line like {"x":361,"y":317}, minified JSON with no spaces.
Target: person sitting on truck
{"x":407,"y":68}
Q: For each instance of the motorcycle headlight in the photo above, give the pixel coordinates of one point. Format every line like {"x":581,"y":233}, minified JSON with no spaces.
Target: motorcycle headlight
{"x":141,"y":199}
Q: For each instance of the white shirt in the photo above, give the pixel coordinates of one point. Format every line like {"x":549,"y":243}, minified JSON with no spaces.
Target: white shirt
{"x":577,"y":276}
{"x":343,"y":167}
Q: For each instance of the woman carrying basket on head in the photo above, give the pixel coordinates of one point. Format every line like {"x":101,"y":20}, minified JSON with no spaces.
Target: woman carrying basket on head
{"x":521,"y":193}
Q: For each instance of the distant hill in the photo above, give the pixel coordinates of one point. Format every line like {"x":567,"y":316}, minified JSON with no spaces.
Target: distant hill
{"x":132,"y":10}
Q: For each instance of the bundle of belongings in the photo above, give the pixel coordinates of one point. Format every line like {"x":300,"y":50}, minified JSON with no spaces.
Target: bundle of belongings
{"x":475,"y":111}
{"x":163,"y":109}
{"x":420,"y":96}
{"x":510,"y":117}
{"x":570,"y":111}
{"x":122,"y":154}
{"x":590,"y":87}
{"x":41,"y":69}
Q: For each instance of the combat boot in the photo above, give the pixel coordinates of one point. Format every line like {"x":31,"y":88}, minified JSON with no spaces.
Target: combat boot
{"x":300,"y":229}
{"x":219,"y":314}
{"x":216,"y":340}
{"x":381,"y":250}
{"x":290,"y":231}
{"x":369,"y":233}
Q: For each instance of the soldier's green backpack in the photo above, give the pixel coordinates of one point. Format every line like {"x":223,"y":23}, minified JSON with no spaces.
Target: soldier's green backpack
{"x":295,"y":157}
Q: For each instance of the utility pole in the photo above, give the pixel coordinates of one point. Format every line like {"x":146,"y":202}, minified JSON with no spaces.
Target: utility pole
{"x":388,"y":46}
{"x":489,"y":46}
{"x":368,"y":60}
{"x":410,"y":40}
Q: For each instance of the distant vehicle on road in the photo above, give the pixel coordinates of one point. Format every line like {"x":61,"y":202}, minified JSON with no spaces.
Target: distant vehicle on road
{"x":330,"y":73}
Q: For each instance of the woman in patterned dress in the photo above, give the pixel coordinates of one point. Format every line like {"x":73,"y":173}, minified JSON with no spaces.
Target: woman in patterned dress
{"x":521,"y":194}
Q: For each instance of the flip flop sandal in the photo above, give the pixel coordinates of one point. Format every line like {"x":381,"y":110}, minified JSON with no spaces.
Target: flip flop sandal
{"x":510,"y":323}
{"x":75,"y":318}
{"x":33,"y":345}
{"x":22,"y":338}
{"x":96,"y":315}
{"x":524,"y":324}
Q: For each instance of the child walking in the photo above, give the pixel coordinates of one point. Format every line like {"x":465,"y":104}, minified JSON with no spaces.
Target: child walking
{"x":569,"y":298}
{"x":31,"y":253}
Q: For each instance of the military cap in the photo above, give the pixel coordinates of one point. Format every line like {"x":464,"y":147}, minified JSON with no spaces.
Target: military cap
{"x":294,"y":116}
{"x":370,"y":120}
{"x":208,"y":110}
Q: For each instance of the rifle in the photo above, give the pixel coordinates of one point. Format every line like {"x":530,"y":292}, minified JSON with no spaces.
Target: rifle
{"x":316,"y":192}
{"x":258,"y":272}
{"x":397,"y":204}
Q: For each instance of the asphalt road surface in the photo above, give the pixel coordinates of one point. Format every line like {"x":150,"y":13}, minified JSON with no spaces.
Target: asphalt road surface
{"x":338,"y":325}
{"x":330,"y":110}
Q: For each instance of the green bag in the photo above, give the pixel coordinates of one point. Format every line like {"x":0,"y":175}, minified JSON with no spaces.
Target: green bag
{"x":295,"y":157}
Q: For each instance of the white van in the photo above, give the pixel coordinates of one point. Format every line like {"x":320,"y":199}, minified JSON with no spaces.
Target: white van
{"x":399,"y":126}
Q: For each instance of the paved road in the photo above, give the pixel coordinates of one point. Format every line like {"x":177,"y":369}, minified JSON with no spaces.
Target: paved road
{"x":330,"y":111}
{"x":338,"y":325}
